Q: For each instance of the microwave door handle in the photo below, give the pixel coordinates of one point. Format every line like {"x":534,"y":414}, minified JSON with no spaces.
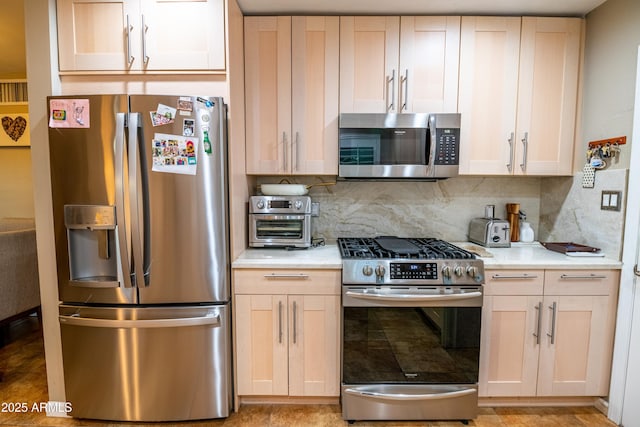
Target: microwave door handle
{"x":430,"y":150}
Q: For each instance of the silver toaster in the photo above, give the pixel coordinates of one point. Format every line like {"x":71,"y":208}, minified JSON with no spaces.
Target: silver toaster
{"x":490,"y":232}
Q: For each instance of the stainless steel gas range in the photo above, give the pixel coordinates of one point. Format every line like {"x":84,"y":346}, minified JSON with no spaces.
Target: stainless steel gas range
{"x":411,"y":329}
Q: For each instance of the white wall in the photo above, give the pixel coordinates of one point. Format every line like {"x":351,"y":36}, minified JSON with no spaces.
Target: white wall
{"x":612,"y":38}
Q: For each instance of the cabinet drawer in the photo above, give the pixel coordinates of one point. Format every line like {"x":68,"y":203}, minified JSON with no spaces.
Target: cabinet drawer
{"x":514,"y":282}
{"x":287,"y":281}
{"x":581,"y":282}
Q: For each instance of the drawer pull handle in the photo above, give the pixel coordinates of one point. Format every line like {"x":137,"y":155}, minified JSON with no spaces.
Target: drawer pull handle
{"x":582,"y":276}
{"x":515,"y":276}
{"x":286,"y":276}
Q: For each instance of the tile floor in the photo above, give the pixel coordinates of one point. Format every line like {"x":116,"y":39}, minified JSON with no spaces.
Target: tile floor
{"x":23,"y":379}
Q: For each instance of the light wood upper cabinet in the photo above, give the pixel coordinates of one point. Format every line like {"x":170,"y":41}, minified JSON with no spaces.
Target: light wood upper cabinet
{"x":399,"y":64}
{"x":552,"y":342}
{"x":141,"y":35}
{"x":291,"y":90}
{"x":518,"y":94}
{"x":287,"y":328}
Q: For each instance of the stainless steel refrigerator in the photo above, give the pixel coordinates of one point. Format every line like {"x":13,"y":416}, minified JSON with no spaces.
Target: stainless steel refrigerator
{"x":140,"y":215}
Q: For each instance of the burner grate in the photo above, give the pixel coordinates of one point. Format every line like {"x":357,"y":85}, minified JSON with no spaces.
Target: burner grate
{"x":427,"y":248}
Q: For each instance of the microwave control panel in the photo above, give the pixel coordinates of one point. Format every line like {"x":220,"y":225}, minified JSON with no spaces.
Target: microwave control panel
{"x":447,"y":146}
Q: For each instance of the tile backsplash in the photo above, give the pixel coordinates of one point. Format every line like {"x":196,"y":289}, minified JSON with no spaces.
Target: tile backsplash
{"x":558,"y":208}
{"x":570,"y":213}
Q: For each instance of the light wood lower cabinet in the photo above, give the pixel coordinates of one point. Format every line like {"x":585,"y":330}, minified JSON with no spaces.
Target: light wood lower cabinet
{"x":547,"y":332}
{"x":287,"y":328}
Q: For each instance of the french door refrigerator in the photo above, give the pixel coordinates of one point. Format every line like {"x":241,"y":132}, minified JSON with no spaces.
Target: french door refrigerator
{"x":140,"y":216}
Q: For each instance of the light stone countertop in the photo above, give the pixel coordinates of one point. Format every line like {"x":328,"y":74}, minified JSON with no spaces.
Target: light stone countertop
{"x":327,"y":257}
{"x":519,"y":255}
{"x":534,"y":255}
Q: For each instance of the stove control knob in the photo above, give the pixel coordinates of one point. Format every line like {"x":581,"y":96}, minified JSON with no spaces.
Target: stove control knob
{"x":260,"y":204}
{"x":446,"y":271}
{"x":367,"y":270}
{"x":297,"y":204}
{"x":472,"y":271}
{"x":380,"y":270}
{"x":458,"y":270}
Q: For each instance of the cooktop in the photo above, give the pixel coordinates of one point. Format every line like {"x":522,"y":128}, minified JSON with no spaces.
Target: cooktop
{"x":392,"y":247}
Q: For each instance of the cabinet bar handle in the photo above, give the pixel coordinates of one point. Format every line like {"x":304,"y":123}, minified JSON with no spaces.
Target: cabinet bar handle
{"x":525,"y":146}
{"x":284,"y":151}
{"x":510,"y":140}
{"x":539,"y":322}
{"x":582,"y":276}
{"x":295,"y":323}
{"x":391,"y":81}
{"x":286,"y":276}
{"x":130,"y":58}
{"x":402,"y":99}
{"x":552,"y":335}
{"x":145,"y":57}
{"x":280,"y":322}
{"x":635,"y":270}
{"x":294,"y":154}
{"x":515,"y":276}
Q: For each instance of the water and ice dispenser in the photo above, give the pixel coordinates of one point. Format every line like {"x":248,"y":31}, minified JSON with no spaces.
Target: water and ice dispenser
{"x":91,"y":233}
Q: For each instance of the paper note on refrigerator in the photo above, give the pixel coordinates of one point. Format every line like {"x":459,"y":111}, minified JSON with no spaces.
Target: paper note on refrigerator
{"x":69,"y":113}
{"x":174,"y":154}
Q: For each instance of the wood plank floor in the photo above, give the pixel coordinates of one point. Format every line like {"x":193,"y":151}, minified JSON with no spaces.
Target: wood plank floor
{"x":24,"y":380}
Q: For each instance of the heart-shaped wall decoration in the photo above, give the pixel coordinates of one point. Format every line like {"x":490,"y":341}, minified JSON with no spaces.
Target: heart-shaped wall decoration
{"x":14,"y":127}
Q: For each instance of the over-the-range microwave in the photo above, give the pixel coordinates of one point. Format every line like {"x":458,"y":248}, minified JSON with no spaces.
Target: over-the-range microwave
{"x":399,"y":146}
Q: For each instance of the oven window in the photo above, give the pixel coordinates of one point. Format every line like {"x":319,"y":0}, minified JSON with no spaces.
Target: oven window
{"x":383,"y":146}
{"x":411,"y":345}
{"x":269,"y":229}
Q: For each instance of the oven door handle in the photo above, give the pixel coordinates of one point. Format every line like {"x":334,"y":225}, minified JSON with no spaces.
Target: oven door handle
{"x":402,"y":396}
{"x":412,"y":297}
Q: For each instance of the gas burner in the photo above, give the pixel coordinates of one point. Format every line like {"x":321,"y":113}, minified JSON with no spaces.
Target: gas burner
{"x":391,"y":247}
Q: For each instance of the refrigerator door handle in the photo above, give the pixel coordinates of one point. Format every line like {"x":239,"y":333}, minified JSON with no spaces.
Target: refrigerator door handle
{"x":135,"y":200}
{"x":212,"y":319}
{"x":123,"y":246}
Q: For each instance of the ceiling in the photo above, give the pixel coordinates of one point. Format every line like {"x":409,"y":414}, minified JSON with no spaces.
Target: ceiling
{"x":421,"y":7}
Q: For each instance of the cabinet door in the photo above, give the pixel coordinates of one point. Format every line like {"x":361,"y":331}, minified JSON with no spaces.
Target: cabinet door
{"x":575,"y":352}
{"x":429,"y":54}
{"x":547,"y":95}
{"x":315,"y":69}
{"x":489,"y":50}
{"x":182,"y":34}
{"x":509,"y":346}
{"x":369,"y":51}
{"x":314,"y":350}
{"x":261,"y":342}
{"x":98,"y":34}
{"x":267,"y":43}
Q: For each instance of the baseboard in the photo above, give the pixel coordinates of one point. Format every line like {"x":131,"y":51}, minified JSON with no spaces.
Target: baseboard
{"x":537,"y":401}
{"x":284,"y":400}
{"x":602,"y":405}
{"x":56,"y":409}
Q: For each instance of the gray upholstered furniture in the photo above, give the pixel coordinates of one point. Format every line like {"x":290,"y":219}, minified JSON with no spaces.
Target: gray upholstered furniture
{"x":19,"y":287}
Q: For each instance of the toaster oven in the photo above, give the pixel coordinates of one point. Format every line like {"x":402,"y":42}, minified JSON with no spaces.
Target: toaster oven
{"x":280,"y":221}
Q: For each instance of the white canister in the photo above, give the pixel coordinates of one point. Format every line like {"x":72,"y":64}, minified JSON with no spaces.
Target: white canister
{"x":526,"y":232}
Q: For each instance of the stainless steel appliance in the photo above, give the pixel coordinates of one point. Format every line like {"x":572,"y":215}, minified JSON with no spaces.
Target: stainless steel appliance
{"x":411,"y":329}
{"x":490,"y":232}
{"x":280,"y":221}
{"x":398,"y":146}
{"x":141,"y":227}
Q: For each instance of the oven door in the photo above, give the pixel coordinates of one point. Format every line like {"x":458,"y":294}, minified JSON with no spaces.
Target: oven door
{"x":279,"y":230}
{"x":410,"y":352}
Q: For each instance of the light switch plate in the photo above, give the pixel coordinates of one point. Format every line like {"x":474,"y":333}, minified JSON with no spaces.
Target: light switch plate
{"x":611,"y":200}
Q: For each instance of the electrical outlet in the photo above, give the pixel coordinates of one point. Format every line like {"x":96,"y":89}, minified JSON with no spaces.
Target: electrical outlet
{"x":611,"y":200}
